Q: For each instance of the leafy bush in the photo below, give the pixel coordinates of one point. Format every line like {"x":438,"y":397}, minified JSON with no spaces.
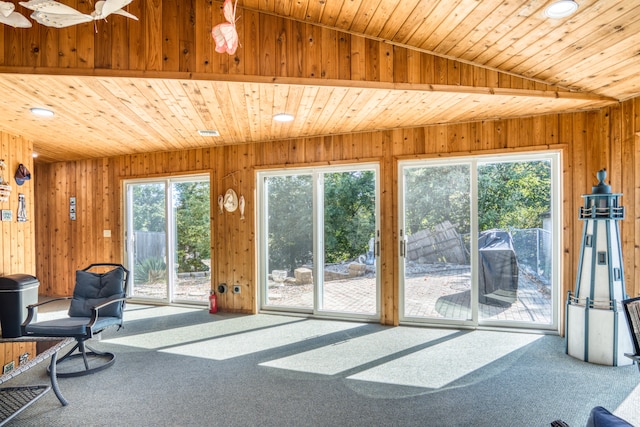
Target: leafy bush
{"x":150,"y":270}
{"x":191,"y":264}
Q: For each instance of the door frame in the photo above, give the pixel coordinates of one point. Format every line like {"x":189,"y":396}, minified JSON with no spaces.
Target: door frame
{"x":316,"y":173}
{"x":170,"y":229}
{"x":555,"y":159}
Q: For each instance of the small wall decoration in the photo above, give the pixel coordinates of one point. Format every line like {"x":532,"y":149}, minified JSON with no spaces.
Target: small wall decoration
{"x":241,"y":203}
{"x":5,"y":192}
{"x":22,"y":208}
{"x":221,"y":203}
{"x":5,"y":188}
{"x":72,"y":208}
{"x":22,"y":174}
{"x":230,"y":200}
{"x":7,"y":215}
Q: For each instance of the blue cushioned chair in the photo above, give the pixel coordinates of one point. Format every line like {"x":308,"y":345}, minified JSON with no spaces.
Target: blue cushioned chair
{"x":601,"y":417}
{"x":97,"y":303}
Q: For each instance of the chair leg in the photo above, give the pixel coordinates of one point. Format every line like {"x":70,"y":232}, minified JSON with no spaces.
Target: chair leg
{"x":101,"y":360}
{"x":83,"y":352}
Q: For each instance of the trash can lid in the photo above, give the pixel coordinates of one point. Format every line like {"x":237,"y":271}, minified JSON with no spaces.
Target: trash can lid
{"x":17,"y":281}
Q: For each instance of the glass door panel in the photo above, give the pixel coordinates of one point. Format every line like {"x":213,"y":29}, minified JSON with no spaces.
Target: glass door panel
{"x":349,"y":222}
{"x":148,"y":240}
{"x":289,"y":234}
{"x":514,"y":242}
{"x":318,"y":241}
{"x":192,"y":251}
{"x":435,"y":243}
{"x":169,"y":213}
{"x":507,"y":274}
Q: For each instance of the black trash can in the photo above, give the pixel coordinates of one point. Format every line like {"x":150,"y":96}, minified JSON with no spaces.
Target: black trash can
{"x":17,"y":291}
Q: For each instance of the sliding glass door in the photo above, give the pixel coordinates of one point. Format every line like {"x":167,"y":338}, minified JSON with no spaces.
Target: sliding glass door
{"x":435,"y":245}
{"x":318,"y":241}
{"x":168,"y":244}
{"x":477,"y":245}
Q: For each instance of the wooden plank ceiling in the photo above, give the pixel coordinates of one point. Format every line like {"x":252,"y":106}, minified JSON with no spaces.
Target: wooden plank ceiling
{"x":591,"y":58}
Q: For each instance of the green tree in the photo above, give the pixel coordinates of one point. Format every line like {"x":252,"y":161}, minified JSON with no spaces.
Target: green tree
{"x":349,"y":217}
{"x":149,"y":207}
{"x":349,"y":214}
{"x":192,"y":214}
{"x":290,"y":209}
{"x":513,"y":195}
{"x":437,"y":194}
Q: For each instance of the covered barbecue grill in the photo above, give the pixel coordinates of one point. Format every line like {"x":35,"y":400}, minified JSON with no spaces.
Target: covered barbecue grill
{"x":498,"y":268}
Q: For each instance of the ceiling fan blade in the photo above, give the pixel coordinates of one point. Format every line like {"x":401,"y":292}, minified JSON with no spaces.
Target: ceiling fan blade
{"x":6,"y":8}
{"x":15,"y":20}
{"x":125,"y":13}
{"x":105,"y":8}
{"x":57,"y":20}
{"x":50,"y":6}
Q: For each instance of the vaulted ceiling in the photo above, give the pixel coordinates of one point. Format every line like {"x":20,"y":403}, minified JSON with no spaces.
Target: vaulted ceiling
{"x":116,"y":87}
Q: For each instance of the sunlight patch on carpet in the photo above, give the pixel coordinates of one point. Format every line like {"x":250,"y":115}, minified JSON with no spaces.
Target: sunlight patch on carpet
{"x":629,"y":409}
{"x":436,"y":367}
{"x":350,"y":354}
{"x":134,"y":312}
{"x":196,"y":333}
{"x":241,"y":344}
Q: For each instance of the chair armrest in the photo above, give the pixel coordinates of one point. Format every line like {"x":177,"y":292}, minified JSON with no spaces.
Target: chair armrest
{"x":95,"y":310}
{"x":32,"y":309}
{"x":109,"y":302}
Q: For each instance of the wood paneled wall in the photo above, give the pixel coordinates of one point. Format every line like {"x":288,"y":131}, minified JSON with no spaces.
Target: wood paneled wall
{"x":589,"y":142}
{"x":174,"y":37}
{"x":17,"y":252}
{"x":11,"y":352}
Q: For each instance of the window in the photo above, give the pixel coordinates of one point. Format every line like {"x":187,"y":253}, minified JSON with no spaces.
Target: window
{"x":318,"y":240}
{"x":479,"y":240}
{"x":168,"y":238}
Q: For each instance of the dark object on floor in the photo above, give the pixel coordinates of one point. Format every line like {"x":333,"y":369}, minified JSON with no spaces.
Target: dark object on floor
{"x":17,"y":291}
{"x":559,"y":423}
{"x":97,"y":303}
{"x":600,"y":417}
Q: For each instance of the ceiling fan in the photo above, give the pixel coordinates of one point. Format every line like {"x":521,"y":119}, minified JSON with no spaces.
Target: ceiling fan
{"x":54,"y":14}
{"x":9,"y":16}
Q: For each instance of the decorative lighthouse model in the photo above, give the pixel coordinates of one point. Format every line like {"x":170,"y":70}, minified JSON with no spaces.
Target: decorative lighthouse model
{"x":596,"y":329}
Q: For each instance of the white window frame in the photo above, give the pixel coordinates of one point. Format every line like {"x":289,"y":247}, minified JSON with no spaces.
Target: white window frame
{"x":554,"y":157}
{"x":318,"y":235}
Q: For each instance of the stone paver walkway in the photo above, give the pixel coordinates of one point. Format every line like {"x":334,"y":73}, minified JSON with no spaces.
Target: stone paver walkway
{"x":438,"y":294}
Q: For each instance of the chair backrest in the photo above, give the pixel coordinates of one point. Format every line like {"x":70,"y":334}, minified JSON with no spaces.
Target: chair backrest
{"x":93,"y":289}
{"x":632,"y":313}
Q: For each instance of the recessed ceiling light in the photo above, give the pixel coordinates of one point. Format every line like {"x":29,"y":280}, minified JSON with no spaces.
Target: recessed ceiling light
{"x":561,"y":9}
{"x":34,"y":154}
{"x":209,"y":132}
{"x":283,"y":117}
{"x":43,"y":112}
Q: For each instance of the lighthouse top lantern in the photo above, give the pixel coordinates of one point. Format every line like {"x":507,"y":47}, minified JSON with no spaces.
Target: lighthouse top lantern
{"x":601,"y":188}
{"x":602,"y":204}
